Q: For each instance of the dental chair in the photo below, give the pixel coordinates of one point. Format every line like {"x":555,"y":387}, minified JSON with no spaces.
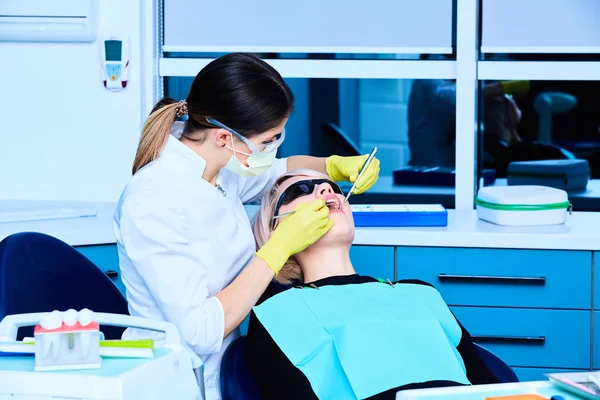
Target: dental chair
{"x":499,"y":368}
{"x":238,"y":384}
{"x":547,"y":105}
{"x":39,"y":273}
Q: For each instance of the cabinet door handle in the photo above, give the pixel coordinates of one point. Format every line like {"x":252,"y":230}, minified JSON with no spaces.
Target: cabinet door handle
{"x":111,"y":273}
{"x":509,"y":339}
{"x":524,"y":280}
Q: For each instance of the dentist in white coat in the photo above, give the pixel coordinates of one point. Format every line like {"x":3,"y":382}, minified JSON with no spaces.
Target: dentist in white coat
{"x":186,"y":250}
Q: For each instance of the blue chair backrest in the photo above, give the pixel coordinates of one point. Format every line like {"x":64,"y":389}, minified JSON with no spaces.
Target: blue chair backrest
{"x":499,"y":368}
{"x":236,"y":381}
{"x":238,"y":384}
{"x":40,"y":273}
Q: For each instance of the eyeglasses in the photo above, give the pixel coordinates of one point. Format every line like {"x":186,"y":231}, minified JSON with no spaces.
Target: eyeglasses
{"x":265,"y":148}
{"x":302,"y":188}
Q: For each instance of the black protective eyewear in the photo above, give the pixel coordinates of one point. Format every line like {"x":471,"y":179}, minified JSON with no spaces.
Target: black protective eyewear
{"x":302,"y":188}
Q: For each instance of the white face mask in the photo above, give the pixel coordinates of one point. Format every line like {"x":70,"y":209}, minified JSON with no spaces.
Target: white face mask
{"x":258,"y":163}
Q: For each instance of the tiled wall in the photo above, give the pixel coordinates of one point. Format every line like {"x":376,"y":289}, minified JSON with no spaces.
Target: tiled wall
{"x":383,"y":114}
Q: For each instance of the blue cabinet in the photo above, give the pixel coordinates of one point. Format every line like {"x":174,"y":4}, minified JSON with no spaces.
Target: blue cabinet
{"x":596,"y":339}
{"x":597,"y":281}
{"x":502,"y":278}
{"x":244,"y":325}
{"x":375,"y":261}
{"x":533,"y":308}
{"x":106,"y":258}
{"x":529,"y":337}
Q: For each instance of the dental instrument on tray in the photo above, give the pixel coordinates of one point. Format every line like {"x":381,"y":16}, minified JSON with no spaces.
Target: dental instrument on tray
{"x":362,"y":171}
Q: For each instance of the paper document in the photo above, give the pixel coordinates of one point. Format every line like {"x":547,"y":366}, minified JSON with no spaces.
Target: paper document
{"x":39,"y":214}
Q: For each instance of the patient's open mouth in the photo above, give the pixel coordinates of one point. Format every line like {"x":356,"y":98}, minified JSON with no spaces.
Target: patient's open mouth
{"x":333,"y":203}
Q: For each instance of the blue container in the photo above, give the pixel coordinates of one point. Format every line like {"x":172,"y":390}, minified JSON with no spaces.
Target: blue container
{"x":395,"y":215}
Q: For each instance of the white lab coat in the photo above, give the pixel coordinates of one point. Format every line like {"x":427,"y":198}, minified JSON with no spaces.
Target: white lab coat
{"x":181,"y":241}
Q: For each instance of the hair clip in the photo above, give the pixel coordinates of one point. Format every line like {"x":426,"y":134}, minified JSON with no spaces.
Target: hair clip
{"x":312,"y":285}
{"x":181,"y":108}
{"x":390,"y":283}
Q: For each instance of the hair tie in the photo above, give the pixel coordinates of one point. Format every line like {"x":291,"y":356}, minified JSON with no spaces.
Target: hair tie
{"x":181,"y":108}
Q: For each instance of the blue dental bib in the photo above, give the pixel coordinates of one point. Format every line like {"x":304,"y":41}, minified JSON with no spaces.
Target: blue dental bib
{"x":354,"y":341}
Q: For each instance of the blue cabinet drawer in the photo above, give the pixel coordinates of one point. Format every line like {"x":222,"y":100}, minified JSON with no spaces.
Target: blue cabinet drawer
{"x":106,"y":258}
{"x":597,"y":280}
{"x":531,"y":338}
{"x":596,"y":339}
{"x":537,"y":374}
{"x":375,"y":261}
{"x":502,"y":277}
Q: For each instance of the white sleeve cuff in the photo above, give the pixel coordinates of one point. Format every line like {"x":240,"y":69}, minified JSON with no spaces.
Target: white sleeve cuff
{"x":215,"y":329}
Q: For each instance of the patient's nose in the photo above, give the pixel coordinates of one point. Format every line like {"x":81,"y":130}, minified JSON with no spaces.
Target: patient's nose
{"x":324,"y":189}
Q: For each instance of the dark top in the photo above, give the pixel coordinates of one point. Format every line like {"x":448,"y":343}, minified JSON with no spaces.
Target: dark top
{"x":278,"y":378}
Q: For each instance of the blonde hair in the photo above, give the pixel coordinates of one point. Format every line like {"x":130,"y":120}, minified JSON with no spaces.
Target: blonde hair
{"x":155,"y":133}
{"x":291,"y":271}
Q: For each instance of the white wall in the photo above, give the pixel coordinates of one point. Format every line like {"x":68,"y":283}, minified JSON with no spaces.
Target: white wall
{"x":62,"y":135}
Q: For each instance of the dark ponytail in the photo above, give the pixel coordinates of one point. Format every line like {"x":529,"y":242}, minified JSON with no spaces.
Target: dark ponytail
{"x":239,"y":90}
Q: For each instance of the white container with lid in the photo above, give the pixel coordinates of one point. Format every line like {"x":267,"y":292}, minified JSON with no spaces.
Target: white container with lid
{"x":522,"y":205}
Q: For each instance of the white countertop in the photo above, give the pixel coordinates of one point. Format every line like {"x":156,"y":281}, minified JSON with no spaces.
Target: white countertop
{"x":581,"y":232}
{"x":74,"y":231}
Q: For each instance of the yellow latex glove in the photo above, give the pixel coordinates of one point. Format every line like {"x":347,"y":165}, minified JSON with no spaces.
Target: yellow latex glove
{"x":347,"y":169}
{"x":515,"y":88}
{"x":295,"y":233}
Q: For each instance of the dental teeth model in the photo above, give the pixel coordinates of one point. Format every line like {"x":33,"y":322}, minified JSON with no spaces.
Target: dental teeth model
{"x":67,"y":340}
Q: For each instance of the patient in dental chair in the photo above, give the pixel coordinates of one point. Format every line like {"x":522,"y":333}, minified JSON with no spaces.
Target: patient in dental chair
{"x":322,"y":331}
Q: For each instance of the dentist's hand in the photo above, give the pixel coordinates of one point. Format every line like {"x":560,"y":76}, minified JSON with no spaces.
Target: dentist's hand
{"x":347,"y":169}
{"x":295,"y":233}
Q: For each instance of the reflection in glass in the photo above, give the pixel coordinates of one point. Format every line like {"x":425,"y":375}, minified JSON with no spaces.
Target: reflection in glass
{"x":552,"y":121}
{"x":431,"y":122}
{"x":432,"y":118}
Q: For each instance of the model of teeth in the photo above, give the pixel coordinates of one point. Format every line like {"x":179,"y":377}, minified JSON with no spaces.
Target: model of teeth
{"x":70,"y":317}
{"x":85,"y":317}
{"x":85,"y":340}
{"x":52,"y":321}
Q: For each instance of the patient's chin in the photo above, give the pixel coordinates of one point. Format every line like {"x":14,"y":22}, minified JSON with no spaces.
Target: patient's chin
{"x":341,"y":232}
